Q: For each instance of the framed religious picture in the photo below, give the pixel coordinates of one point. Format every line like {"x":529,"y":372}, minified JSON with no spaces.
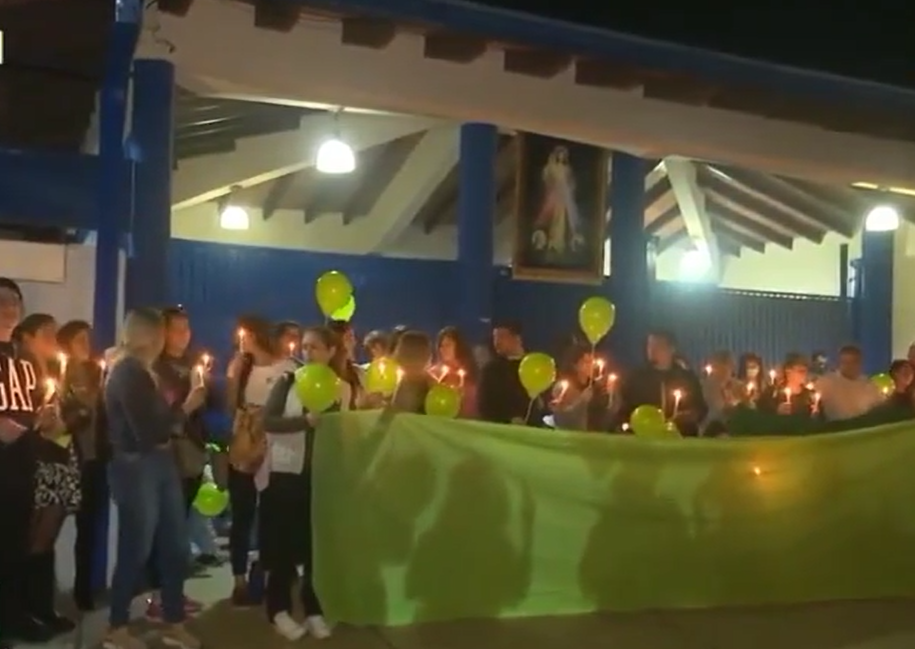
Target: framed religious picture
{"x":560,"y":210}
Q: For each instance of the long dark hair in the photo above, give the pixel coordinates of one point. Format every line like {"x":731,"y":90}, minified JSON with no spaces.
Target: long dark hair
{"x":333,"y":340}
{"x":750,"y":358}
{"x":260,"y":330}
{"x":462,"y":349}
{"x":31,"y":324}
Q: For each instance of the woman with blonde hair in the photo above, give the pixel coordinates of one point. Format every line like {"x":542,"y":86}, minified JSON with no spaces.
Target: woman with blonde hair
{"x":144,"y":482}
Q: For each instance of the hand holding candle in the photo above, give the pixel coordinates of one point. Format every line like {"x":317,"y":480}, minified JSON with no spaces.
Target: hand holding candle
{"x":241,"y":339}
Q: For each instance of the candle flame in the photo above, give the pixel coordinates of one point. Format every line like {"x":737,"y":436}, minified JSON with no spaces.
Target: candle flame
{"x":810,"y":385}
{"x":612,"y":378}
{"x":708,"y":369}
{"x":772,"y":374}
{"x":462,"y":373}
{"x":757,"y":470}
{"x":678,"y":394}
{"x":205,"y":359}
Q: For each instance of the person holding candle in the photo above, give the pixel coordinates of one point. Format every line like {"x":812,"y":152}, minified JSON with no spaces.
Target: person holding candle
{"x":659,"y":383}
{"x":413,"y":355}
{"x":80,"y":411}
{"x":285,"y":483}
{"x":251,"y":375}
{"x":792,"y":395}
{"x":26,"y":423}
{"x":145,"y":483}
{"x":721,"y":391}
{"x":903,"y":375}
{"x":179,"y":371}
{"x":580,"y":400}
{"x":289,"y":335}
{"x":457,"y":368}
{"x":375,"y":345}
{"x":847,"y":392}
{"x":349,"y":370}
{"x":751,"y":373}
{"x":57,"y":486}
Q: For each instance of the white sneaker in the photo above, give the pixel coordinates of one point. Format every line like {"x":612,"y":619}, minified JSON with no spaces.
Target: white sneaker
{"x":318,"y":627}
{"x":287,"y":627}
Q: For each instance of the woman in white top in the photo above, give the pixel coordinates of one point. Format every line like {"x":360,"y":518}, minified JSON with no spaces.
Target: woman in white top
{"x":251,"y":376}
{"x":285,"y":515}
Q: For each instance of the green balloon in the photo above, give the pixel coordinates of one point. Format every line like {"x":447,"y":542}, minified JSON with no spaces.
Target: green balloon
{"x":382,"y":376}
{"x":443,"y":401}
{"x":317,"y":386}
{"x":346,"y":312}
{"x":210,"y":501}
{"x":648,"y":421}
{"x":884,"y":382}
{"x":332,"y":291}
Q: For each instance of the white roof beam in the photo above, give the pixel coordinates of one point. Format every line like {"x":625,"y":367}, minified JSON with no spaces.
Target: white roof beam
{"x":426,"y":167}
{"x":691,"y":201}
{"x":266,"y":157}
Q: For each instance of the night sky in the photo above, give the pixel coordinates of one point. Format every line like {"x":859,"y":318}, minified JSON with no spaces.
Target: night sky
{"x":872,"y":40}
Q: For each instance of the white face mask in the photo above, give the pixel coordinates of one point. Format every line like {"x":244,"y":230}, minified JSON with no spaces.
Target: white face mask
{"x":752,"y":372}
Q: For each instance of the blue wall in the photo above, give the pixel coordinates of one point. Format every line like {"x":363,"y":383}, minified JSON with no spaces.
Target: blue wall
{"x":216,"y":283}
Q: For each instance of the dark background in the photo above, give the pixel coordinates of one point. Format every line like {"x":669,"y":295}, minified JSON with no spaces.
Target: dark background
{"x":872,"y":40}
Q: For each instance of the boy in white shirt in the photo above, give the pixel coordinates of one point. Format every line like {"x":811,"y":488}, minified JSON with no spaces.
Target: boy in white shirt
{"x":847,"y":392}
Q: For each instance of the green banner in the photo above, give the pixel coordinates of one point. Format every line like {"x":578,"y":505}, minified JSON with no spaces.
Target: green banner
{"x":420,"y":519}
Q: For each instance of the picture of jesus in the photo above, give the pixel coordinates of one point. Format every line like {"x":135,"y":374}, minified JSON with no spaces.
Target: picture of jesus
{"x":560,"y":209}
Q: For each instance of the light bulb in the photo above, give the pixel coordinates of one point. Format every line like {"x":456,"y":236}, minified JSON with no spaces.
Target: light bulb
{"x":234,"y":217}
{"x":882,"y":218}
{"x":335,"y":157}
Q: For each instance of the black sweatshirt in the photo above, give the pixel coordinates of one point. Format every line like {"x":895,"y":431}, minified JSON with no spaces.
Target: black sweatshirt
{"x":654,"y":387}
{"x":501,"y":397}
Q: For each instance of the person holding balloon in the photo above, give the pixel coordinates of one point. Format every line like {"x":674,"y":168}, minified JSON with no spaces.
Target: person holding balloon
{"x":290,"y":418}
{"x":457,"y":368}
{"x":665,"y":385}
{"x":506,"y":394}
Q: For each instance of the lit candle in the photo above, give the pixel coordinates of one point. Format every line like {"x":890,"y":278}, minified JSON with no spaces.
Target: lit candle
{"x":443,"y":373}
{"x":291,"y":348}
{"x":241,"y":339}
{"x":708,"y":370}
{"x":62,"y":364}
{"x":678,"y":395}
{"x":750,"y":388}
{"x":461,"y":375}
{"x":787,"y":392}
{"x":50,"y":388}
{"x":810,"y":385}
{"x":200,"y":373}
{"x":757,"y":470}
{"x":563,"y":388}
{"x":599,"y":363}
{"x":399,"y":375}
{"x":885,"y":391}
{"x":611,"y":382}
{"x":816,"y":401}
{"x":207,"y":361}
{"x":772,"y":374}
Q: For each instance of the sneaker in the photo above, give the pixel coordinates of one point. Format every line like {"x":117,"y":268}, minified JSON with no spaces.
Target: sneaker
{"x":121,"y":639}
{"x":192,"y":606}
{"x":317,"y":626}
{"x":287,"y":627}
{"x":177,"y":636}
{"x":153,"y":610}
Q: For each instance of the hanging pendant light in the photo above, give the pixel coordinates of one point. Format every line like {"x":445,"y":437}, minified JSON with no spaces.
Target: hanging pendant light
{"x":335,"y":156}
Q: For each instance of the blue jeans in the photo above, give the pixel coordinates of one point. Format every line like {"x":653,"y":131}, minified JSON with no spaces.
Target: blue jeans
{"x":146,"y":489}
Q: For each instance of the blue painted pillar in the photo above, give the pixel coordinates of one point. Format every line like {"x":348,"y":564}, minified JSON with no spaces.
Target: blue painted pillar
{"x":630,"y":271}
{"x":476,"y":222}
{"x":875,"y":301}
{"x":151,"y":138}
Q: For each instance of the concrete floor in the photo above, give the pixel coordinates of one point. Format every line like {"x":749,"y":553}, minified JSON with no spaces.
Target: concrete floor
{"x":846,"y":625}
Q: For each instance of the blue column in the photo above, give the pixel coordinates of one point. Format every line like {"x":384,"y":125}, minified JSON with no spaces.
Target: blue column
{"x":111,"y":202}
{"x":476,"y":221}
{"x":151,"y":139}
{"x":630,"y":272}
{"x":875,"y":304}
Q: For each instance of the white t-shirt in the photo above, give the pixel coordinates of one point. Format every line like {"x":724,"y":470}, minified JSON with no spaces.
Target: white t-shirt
{"x":844,"y":398}
{"x":261,"y":381}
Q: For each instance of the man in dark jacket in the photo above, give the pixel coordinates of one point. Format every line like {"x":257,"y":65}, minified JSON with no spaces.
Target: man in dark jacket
{"x":666,"y":384}
{"x":500,"y":396}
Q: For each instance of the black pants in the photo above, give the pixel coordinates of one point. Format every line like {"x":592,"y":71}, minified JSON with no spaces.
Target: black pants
{"x":189,"y":487}
{"x":94,"y":487}
{"x":286,"y":542}
{"x":243,"y":504}
{"x":17,"y":473}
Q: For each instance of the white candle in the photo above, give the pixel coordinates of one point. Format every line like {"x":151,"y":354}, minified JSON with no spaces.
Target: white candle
{"x":787,"y":392}
{"x":599,"y":363}
{"x":461,"y":375}
{"x":241,"y":339}
{"x":291,"y":348}
{"x":678,"y":395}
{"x":816,"y":401}
{"x":772,"y":375}
{"x":200,"y":373}
{"x":611,"y":382}
{"x":50,"y":388}
{"x":62,"y":361}
{"x":708,"y":370}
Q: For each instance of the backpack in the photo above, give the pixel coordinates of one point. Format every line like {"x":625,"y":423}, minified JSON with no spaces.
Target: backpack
{"x":248,"y":446}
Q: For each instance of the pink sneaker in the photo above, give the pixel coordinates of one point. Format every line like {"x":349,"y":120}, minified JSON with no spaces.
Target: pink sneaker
{"x":191,"y":606}
{"x":154,"y":610}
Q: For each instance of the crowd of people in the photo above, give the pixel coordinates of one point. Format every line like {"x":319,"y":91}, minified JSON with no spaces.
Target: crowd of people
{"x":135,"y":427}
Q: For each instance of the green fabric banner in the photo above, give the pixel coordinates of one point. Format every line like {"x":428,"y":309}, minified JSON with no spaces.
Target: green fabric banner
{"x":418,"y":519}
